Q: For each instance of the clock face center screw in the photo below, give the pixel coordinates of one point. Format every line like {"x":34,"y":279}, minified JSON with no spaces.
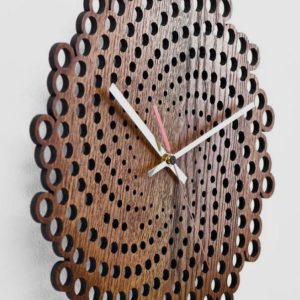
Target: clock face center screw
{"x":169,"y":159}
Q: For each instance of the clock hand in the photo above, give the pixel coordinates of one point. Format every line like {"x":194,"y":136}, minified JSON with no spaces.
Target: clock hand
{"x":203,"y":138}
{"x":143,"y":128}
{"x":162,"y":129}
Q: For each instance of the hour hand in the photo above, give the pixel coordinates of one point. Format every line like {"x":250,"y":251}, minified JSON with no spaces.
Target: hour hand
{"x":144,"y":130}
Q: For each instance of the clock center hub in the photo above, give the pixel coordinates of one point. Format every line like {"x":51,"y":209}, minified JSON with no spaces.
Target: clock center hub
{"x":169,"y":159}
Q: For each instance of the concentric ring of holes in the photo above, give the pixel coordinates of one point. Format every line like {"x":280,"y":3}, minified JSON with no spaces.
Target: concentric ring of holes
{"x":90,"y":153}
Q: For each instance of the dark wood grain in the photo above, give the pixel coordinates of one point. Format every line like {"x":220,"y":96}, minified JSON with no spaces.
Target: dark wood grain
{"x":119,"y":233}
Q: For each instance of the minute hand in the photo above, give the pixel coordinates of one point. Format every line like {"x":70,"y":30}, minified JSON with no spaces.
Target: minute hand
{"x":204,"y":137}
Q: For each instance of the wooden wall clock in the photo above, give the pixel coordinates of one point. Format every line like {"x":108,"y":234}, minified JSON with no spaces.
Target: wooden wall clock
{"x":130,"y":219}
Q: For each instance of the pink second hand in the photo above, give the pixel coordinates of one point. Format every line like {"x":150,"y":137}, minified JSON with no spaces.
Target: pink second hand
{"x":162,"y":129}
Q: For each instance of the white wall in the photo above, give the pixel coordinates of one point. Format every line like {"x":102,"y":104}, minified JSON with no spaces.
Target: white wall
{"x":27,"y":31}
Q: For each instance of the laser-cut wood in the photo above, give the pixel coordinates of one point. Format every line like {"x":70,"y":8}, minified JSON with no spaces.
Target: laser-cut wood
{"x":120,"y":234}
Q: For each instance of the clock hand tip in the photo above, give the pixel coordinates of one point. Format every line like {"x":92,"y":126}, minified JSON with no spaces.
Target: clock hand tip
{"x":150,"y":173}
{"x":112,"y":87}
{"x":182,"y":178}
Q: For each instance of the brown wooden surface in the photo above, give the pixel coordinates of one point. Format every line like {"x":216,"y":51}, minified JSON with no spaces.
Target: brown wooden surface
{"x":120,"y":234}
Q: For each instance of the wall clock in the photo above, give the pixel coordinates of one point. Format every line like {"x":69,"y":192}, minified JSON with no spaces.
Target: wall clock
{"x":153,"y":152}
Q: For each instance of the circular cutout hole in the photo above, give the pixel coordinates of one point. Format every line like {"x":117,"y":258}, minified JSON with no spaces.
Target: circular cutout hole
{"x":65,"y":277}
{"x":253,"y":249}
{"x":90,"y":25}
{"x":267,"y":185}
{"x":211,"y":6}
{"x":55,"y":177}
{"x":80,"y":68}
{"x":45,"y":208}
{"x":80,"y":287}
{"x":268,"y":119}
{"x":94,"y":293}
{"x":67,"y":243}
{"x":97,"y":6}
{"x":56,"y":227}
{"x":110,"y":24}
{"x":232,"y":280}
{"x":253,"y":57}
{"x":224,"y":8}
{"x":84,"y":47}
{"x":264,"y":164}
{"x":119,"y":7}
{"x":44,"y":130}
{"x":63,"y":58}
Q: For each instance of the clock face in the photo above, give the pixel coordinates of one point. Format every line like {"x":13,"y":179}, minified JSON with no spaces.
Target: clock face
{"x":120,"y":233}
